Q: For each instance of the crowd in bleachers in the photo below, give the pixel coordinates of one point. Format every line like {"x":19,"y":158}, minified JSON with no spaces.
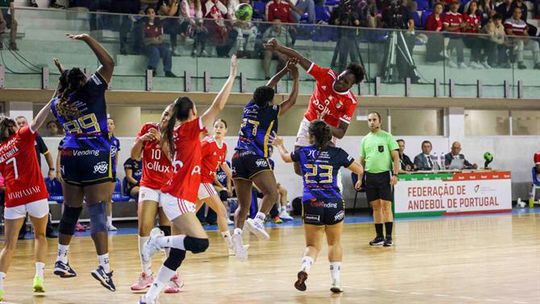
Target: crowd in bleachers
{"x":213,"y":29}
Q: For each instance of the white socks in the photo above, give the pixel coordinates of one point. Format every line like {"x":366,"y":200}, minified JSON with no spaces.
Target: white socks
{"x":62,"y":253}
{"x":104,"y":262}
{"x":40,"y":267}
{"x":163,"y":277}
{"x":109,"y":220}
{"x":227,"y":238}
{"x":335,"y":271}
{"x":2,"y":278}
{"x":146,"y":267}
{"x":307,"y":262}
{"x":175,"y":241}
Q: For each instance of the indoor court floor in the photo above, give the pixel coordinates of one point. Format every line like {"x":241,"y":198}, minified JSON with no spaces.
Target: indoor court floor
{"x":462,"y":259}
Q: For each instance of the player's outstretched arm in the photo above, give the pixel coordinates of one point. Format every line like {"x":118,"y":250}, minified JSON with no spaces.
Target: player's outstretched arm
{"x":221,"y":99}
{"x":41,"y":116}
{"x":285,"y":155}
{"x":291,"y":101}
{"x":273,"y":45}
{"x":107,"y":62}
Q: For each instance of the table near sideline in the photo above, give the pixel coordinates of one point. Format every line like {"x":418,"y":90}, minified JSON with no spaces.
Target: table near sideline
{"x":436,"y":193}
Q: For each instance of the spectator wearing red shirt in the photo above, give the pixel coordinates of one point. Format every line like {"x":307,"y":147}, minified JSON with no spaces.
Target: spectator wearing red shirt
{"x":515,"y":26}
{"x":277,"y":9}
{"x":453,"y":23}
{"x":154,"y":45}
{"x":471,"y":18}
{"x":435,"y":43}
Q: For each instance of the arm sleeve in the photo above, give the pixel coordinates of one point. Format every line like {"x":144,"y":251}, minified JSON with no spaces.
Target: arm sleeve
{"x":467,"y":163}
{"x":41,"y":146}
{"x":97,"y":84}
{"x":345,"y":159}
{"x":294,"y":156}
{"x":349,"y":112}
{"x":316,"y":71}
{"x":418,"y":163}
{"x":447,"y":159}
{"x":392,"y":143}
{"x":362,"y":149}
{"x":26,"y":134}
{"x":128,"y":164}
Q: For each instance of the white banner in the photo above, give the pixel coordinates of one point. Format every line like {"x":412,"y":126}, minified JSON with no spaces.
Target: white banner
{"x":452,"y":196}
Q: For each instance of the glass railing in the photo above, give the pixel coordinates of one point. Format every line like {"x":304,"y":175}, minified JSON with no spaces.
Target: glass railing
{"x":397,"y":63}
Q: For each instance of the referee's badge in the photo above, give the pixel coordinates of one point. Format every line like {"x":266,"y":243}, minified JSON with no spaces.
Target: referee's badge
{"x":381,"y":148}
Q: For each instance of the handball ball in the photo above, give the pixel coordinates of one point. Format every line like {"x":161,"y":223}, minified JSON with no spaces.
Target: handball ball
{"x":488,"y":156}
{"x":244,"y":12}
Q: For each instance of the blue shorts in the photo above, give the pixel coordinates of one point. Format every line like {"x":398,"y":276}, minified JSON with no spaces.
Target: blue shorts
{"x":86,"y":167}
{"x":246,"y":164}
{"x":318,"y":212}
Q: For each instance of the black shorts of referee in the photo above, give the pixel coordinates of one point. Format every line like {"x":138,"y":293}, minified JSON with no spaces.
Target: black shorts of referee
{"x":378,"y":186}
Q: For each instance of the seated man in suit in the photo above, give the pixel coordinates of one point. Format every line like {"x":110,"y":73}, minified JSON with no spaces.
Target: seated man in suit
{"x":405,"y":162}
{"x":454,"y":154}
{"x":423,"y":161}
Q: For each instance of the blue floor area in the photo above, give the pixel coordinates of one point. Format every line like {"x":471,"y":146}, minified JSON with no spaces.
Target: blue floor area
{"x":349,"y":219}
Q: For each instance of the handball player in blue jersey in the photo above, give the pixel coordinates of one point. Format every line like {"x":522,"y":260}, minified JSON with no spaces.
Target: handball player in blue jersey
{"x":322,"y":202}
{"x":250,"y":161}
{"x":86,"y":162}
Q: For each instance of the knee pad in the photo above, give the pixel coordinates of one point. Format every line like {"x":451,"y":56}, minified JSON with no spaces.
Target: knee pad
{"x":69,"y":220}
{"x":196,"y":245}
{"x":176,"y":256}
{"x":98,"y":217}
{"x":166,"y":230}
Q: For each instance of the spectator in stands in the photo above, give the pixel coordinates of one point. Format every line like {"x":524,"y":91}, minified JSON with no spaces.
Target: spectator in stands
{"x":41,"y":148}
{"x":517,"y":27}
{"x":455,"y":154}
{"x":278,"y":9}
{"x":171,"y":26}
{"x":215,"y":13}
{"x":54,"y":129}
{"x":7,"y":20}
{"x":154,"y":45}
{"x":52,"y":4}
{"x":399,"y":17}
{"x":496,"y":45}
{"x":302,"y":7}
{"x":505,"y":9}
{"x":133,"y":170}
{"x":487,"y":10}
{"x":369,"y":14}
{"x":453,"y":23}
{"x":471,"y":19}
{"x":531,"y":29}
{"x":406,"y":164}
{"x":423,"y":161}
{"x":278,"y":32}
{"x":124,"y":23}
{"x":435,"y":43}
{"x":346,"y":14}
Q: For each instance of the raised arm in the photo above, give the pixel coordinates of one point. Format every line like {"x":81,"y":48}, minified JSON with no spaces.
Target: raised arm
{"x":291,"y":101}
{"x":274,"y":45}
{"x":136,"y":150}
{"x":40,"y":118}
{"x":107,"y":62}
{"x":221,"y":99}
{"x":285,"y":155}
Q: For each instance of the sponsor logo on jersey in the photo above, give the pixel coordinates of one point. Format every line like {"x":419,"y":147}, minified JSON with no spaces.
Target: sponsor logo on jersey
{"x":330,"y":205}
{"x":101,"y":167}
{"x":260,"y":163}
{"x":156,"y":166}
{"x":24,"y":192}
{"x":339,"y":216}
{"x":196,"y":170}
{"x":86,"y":152}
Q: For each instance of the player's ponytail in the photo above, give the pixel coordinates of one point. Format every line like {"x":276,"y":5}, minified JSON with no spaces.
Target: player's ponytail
{"x":322,"y":135}
{"x":70,"y":82}
{"x":6,"y":127}
{"x":180,"y":111}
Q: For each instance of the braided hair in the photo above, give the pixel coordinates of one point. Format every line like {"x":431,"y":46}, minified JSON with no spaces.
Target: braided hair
{"x":70,"y":82}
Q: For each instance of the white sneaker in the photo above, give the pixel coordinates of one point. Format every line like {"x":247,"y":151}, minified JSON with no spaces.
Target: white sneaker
{"x":452,"y":64}
{"x":229,"y":222}
{"x":284,"y":215}
{"x":336,"y":287}
{"x":462,"y":65}
{"x":256,"y":227}
{"x":145,"y":300}
{"x":151,"y":246}
{"x":231,"y":250}
{"x":239,"y":250}
{"x":486,"y":65}
{"x":110,"y":227}
{"x":476,"y":65}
